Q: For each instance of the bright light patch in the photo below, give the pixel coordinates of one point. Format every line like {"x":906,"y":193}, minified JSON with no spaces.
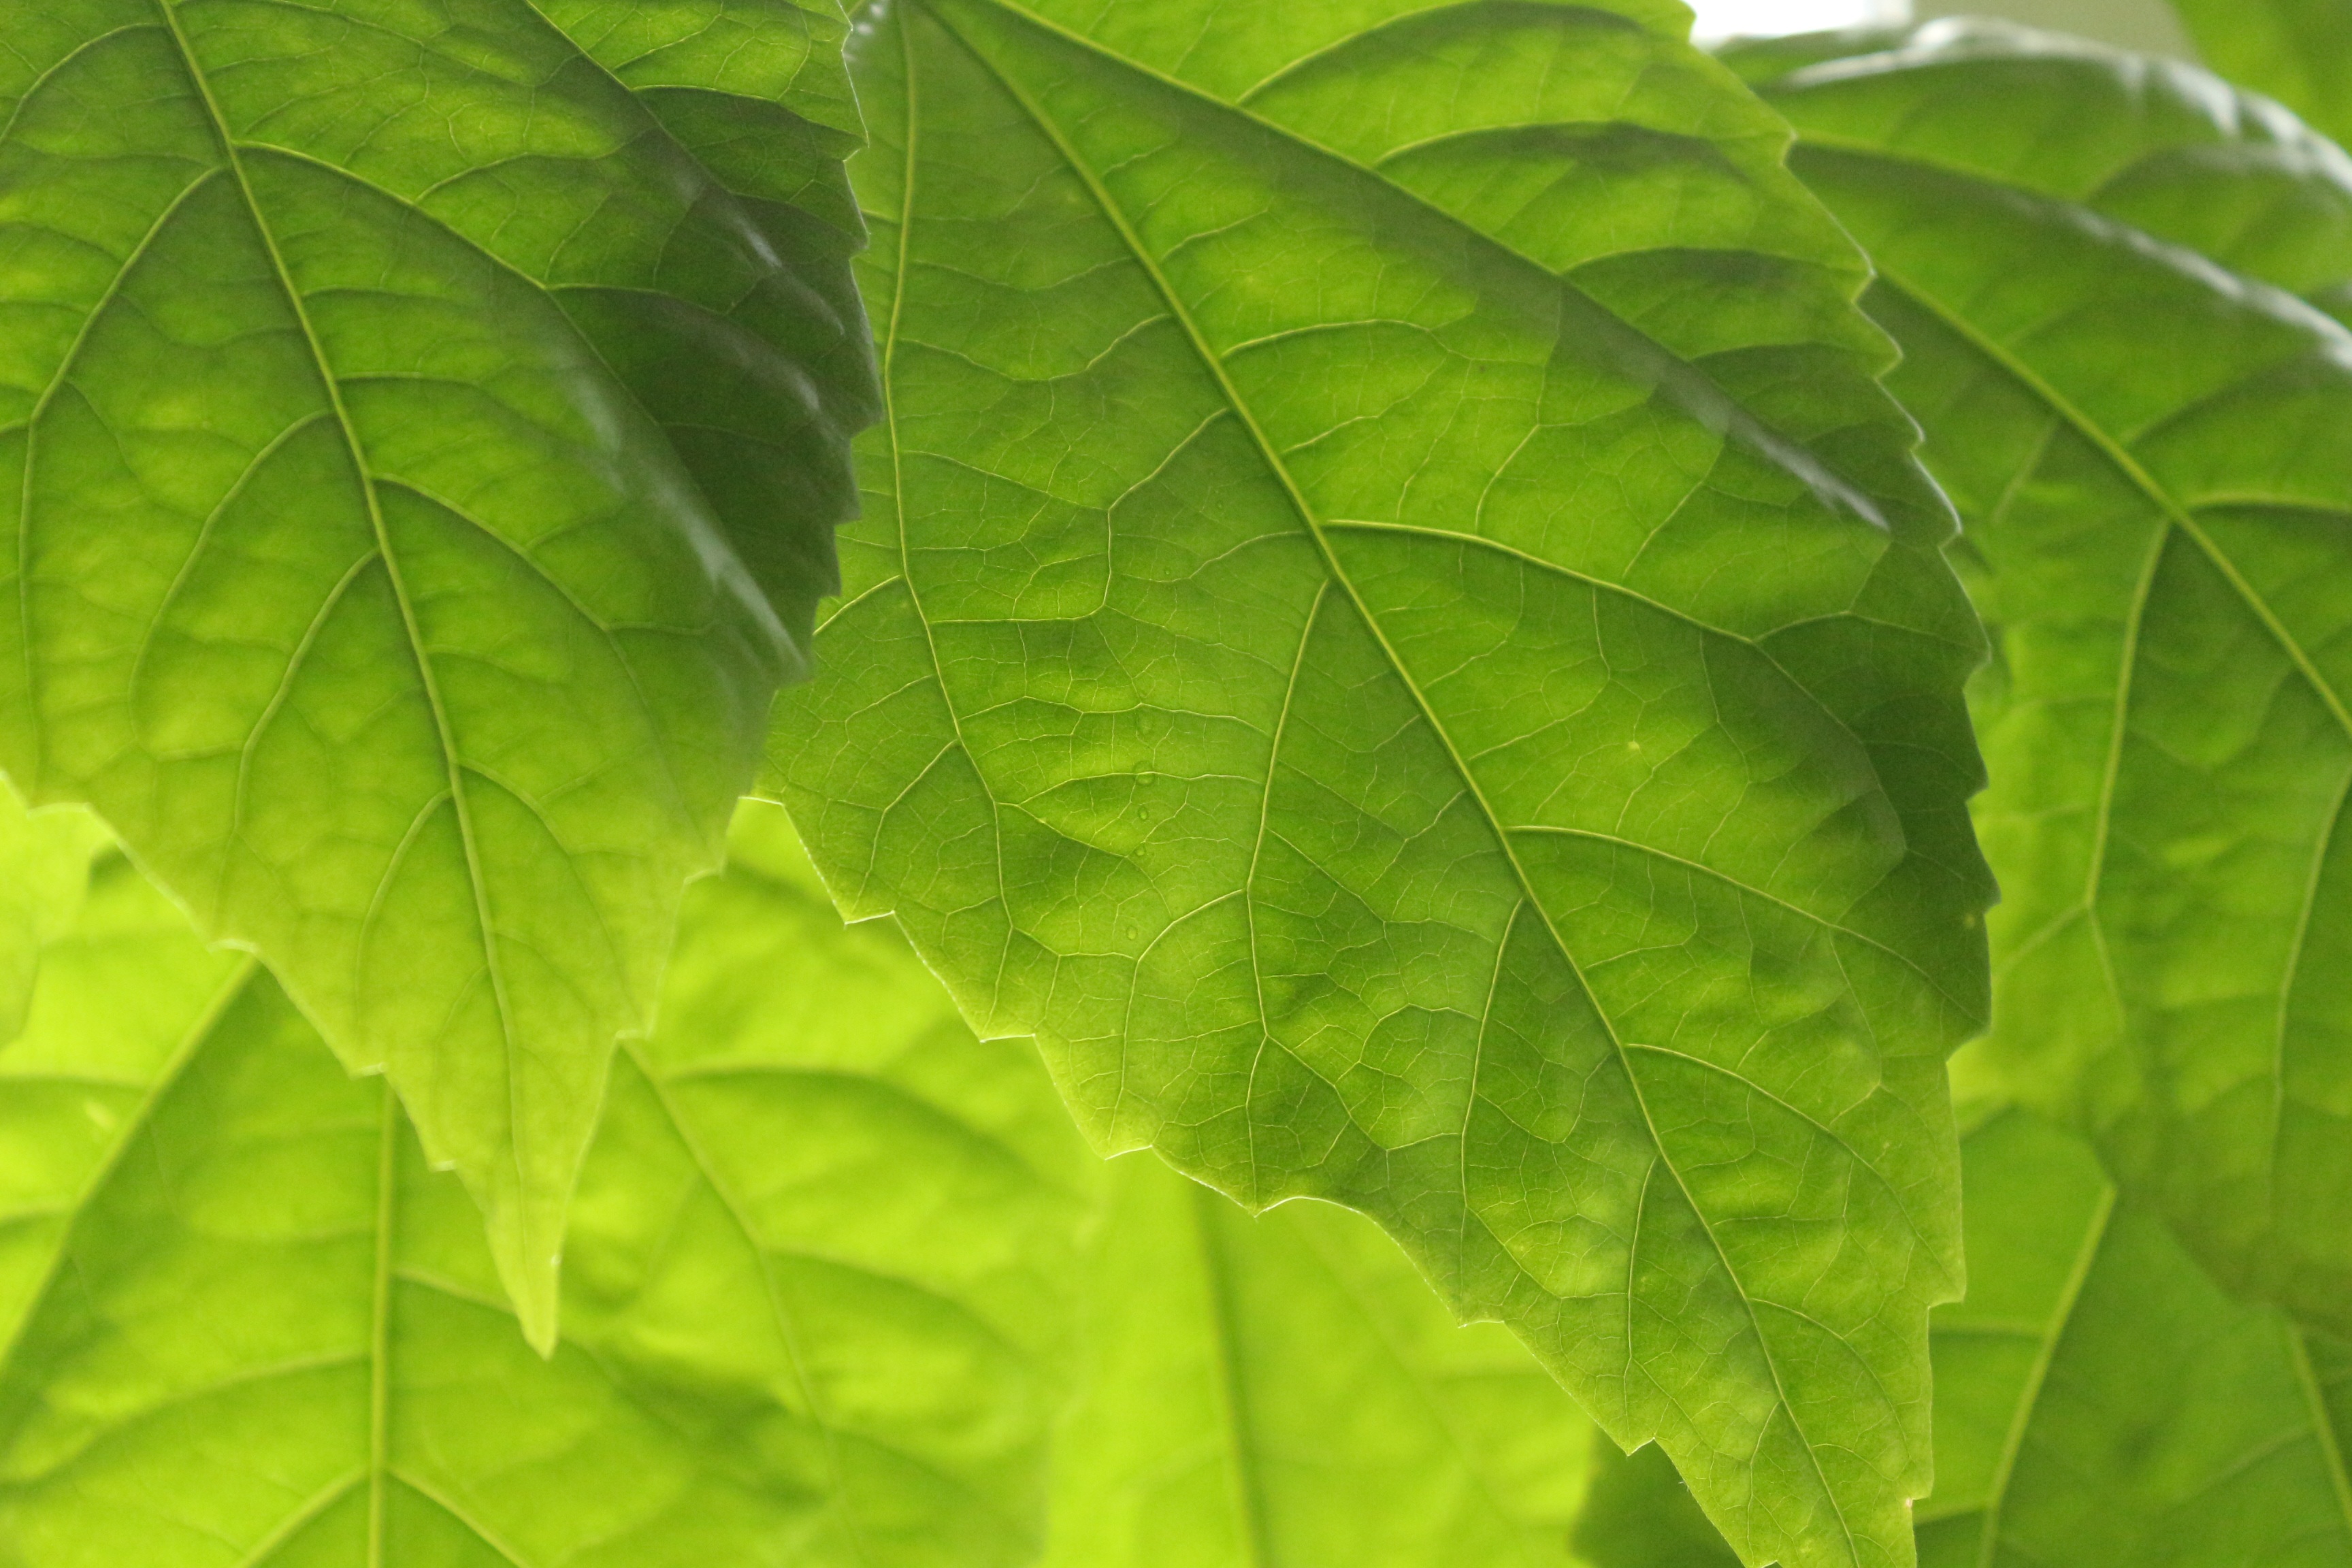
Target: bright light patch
{"x":1757,"y":18}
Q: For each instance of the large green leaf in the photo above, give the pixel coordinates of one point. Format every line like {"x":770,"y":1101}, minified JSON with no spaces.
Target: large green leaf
{"x":1397,"y":634}
{"x":2160,"y":539}
{"x":2161,"y":146}
{"x":2298,"y":52}
{"x":815,"y":1278}
{"x":1284,"y":1392}
{"x":403,"y":407}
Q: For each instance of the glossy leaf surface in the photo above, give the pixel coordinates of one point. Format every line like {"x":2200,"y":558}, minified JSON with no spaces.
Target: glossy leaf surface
{"x":1285,"y":1391}
{"x":813,"y":1288}
{"x":2298,"y":52}
{"x":420,"y":431}
{"x":1397,"y":634}
{"x":2160,"y":545}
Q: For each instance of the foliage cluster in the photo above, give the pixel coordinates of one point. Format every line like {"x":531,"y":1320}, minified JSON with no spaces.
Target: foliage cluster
{"x":1715,"y":689}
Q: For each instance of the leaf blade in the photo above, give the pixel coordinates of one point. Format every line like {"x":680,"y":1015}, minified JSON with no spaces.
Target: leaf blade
{"x":382,"y":571}
{"x":1193,"y":572}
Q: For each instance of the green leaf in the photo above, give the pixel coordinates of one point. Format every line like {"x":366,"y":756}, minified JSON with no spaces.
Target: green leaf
{"x":2153,"y":144}
{"x":1398,"y":635}
{"x":402,"y":409}
{"x":813,"y":1299}
{"x":44,"y":867}
{"x":1284,"y":1392}
{"x":2161,"y":548}
{"x":2101,"y":1403}
{"x":2298,"y":52}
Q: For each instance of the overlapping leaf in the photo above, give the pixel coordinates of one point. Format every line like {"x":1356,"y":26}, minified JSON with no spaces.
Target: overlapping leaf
{"x":2162,"y":548}
{"x":421,"y":426}
{"x":1284,"y":1392}
{"x":1397,"y":634}
{"x":814,"y":1284}
{"x":2298,"y":52}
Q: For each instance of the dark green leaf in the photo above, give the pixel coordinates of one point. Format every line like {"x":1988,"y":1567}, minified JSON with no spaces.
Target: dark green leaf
{"x":402,"y":409}
{"x":814,"y":1293}
{"x":1398,"y":634}
{"x":2148,"y":452}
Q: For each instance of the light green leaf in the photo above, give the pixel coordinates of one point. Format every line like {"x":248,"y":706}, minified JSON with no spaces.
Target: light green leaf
{"x":1398,"y":635}
{"x":402,"y":409}
{"x":2298,"y":52}
{"x":814,"y":1295}
{"x":1284,"y":1392}
{"x":44,"y":867}
{"x":2161,"y":548}
{"x":2101,"y":1403}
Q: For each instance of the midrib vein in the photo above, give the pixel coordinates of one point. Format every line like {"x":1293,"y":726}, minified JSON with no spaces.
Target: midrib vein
{"x":1310,"y":521}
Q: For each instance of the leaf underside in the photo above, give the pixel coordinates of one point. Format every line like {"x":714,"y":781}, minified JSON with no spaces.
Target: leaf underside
{"x":812,"y":1295}
{"x":2159,"y":542}
{"x":1420,"y":694}
{"x":421,"y":429}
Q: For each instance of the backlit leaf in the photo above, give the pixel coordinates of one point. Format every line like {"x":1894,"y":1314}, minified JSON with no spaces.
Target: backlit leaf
{"x":421,"y":425}
{"x":814,"y":1293}
{"x":1396,"y":632}
{"x":2161,"y":545}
